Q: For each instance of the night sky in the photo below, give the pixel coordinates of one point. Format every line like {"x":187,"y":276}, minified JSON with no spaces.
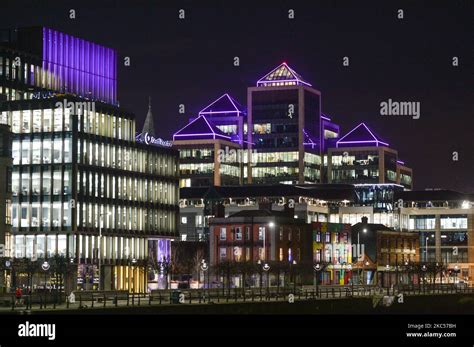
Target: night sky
{"x":190,"y":62}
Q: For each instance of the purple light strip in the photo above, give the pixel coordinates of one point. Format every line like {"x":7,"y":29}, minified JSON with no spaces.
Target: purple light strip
{"x":347,"y":142}
{"x":212,"y":112}
{"x":80,"y":67}
{"x":401,"y":162}
{"x":212,"y":103}
{"x":325,"y":118}
{"x":350,"y":132}
{"x":201,"y":134}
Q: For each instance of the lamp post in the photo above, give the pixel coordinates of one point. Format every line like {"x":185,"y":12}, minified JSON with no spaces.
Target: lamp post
{"x":387,"y":269}
{"x":259,"y":263}
{"x":424,"y":268}
{"x":266,"y":268}
{"x":204,"y":268}
{"x":45,"y":266}
{"x":317,"y":268}
{"x":349,"y":268}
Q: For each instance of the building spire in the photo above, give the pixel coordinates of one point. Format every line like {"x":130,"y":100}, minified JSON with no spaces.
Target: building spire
{"x":148,"y":126}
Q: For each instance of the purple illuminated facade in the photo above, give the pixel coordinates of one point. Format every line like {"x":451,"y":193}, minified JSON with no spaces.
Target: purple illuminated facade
{"x":286,"y":137}
{"x":80,"y":67}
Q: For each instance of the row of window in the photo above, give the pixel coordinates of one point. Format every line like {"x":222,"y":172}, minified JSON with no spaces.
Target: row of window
{"x":42,"y":181}
{"x":275,"y":171}
{"x":125,"y":158}
{"x":340,"y":255}
{"x":359,"y":158}
{"x":115,"y":217}
{"x":42,"y":151}
{"x":46,"y":246}
{"x":110,"y":186}
{"x":429,"y":222}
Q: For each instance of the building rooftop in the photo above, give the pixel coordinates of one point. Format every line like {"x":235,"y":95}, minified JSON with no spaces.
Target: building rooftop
{"x":282,"y":75}
{"x":198,"y":129}
{"x":433,"y":195}
{"x":362,"y":136}
{"x":224,"y":105}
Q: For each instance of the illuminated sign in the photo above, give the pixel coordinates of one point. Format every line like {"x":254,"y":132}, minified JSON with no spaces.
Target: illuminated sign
{"x":148,"y":139}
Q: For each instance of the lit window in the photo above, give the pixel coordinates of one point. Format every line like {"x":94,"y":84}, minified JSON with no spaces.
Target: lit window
{"x":184,"y":220}
{"x":223,"y":235}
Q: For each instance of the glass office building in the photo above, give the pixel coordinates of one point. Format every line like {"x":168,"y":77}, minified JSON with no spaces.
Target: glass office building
{"x":83,"y":186}
{"x":284,"y":125}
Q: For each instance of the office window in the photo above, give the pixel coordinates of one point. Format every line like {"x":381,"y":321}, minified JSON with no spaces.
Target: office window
{"x":58,"y":119}
{"x":328,"y":237}
{"x":184,"y":220}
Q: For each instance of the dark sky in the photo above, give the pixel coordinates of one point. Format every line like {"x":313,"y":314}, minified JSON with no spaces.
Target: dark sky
{"x":190,"y":62}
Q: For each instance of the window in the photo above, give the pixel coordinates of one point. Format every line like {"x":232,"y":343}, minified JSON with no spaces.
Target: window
{"x":281,"y":234}
{"x":184,"y":220}
{"x":222,"y":253}
{"x":328,"y":237}
{"x":247,"y":233}
{"x":223,"y":235}
{"x":318,"y":236}
{"x":238,"y":233}
{"x":261,"y":233}
{"x":8,"y":217}
{"x":281,"y":254}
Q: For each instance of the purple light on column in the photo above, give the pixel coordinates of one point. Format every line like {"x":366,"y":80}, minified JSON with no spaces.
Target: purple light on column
{"x":81,"y":67}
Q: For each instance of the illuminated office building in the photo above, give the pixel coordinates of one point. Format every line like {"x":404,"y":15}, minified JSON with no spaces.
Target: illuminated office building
{"x":361,"y":157}
{"x":84,"y":185}
{"x":211,"y":146}
{"x":284,"y":127}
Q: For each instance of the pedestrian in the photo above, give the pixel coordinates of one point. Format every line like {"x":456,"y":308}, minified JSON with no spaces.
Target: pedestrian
{"x":18,"y":294}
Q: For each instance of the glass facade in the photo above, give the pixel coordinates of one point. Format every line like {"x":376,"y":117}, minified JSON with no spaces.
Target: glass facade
{"x":80,"y":180}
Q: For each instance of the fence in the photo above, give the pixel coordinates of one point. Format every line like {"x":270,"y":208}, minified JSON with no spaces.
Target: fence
{"x":110,"y":299}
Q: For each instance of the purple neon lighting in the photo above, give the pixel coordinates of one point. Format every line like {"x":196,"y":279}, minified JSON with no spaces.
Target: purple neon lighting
{"x":212,"y":133}
{"x":325,"y":118}
{"x":295,"y":78}
{"x":80,"y":67}
{"x":401,"y":162}
{"x":375,"y":139}
{"x":236,"y":109}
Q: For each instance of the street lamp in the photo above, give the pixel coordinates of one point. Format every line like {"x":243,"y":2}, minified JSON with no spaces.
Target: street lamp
{"x":204,"y":268}
{"x":266,"y":268}
{"x":259,"y":263}
{"x":387,"y":269}
{"x":349,"y":268}
{"x":317,"y":268}
{"x":45,"y":266}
